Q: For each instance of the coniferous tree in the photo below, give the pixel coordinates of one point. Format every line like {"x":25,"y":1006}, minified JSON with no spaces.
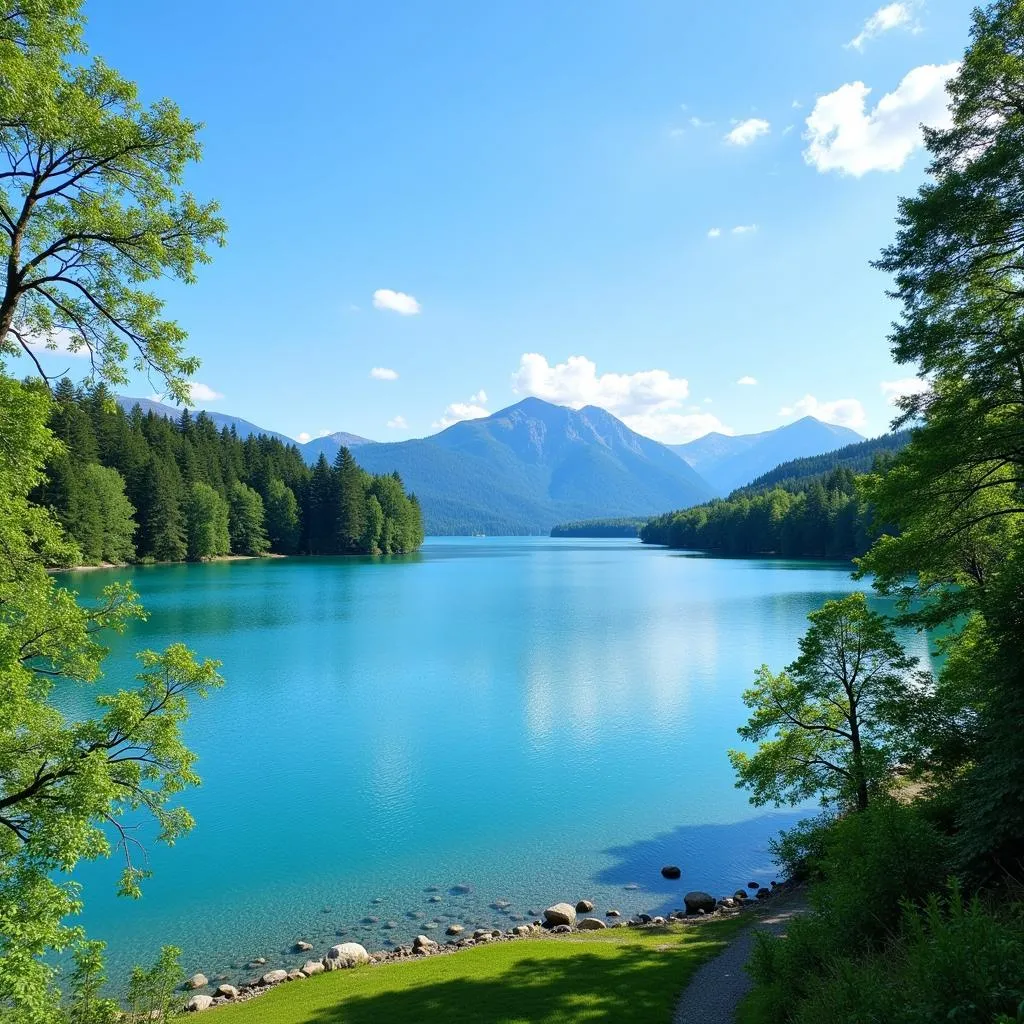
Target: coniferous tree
{"x":117,"y":516}
{"x":247,"y":530}
{"x":162,"y":530}
{"x":206,"y":519}
{"x":284,"y":528}
{"x":351,"y":501}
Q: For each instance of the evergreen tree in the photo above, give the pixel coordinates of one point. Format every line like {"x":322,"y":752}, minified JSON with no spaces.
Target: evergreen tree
{"x":284,"y":528}
{"x":351,"y":483}
{"x":162,"y":530}
{"x":116,"y":513}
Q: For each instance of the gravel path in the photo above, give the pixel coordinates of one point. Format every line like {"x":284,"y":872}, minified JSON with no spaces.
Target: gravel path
{"x":718,"y":987}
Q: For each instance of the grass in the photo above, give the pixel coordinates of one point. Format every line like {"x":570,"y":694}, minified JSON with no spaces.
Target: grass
{"x":622,"y":975}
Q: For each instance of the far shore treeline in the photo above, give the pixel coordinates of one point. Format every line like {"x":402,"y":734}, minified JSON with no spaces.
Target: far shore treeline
{"x":134,"y":487}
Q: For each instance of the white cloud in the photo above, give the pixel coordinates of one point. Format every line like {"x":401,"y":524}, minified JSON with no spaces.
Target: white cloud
{"x":714,"y":232}
{"x":398,"y":302}
{"x":796,"y":104}
{"x":846,"y":412}
{"x":745,"y":132}
{"x":383,"y":373}
{"x":844,"y":136}
{"x":58,"y":342}
{"x":202,"y":392}
{"x":472,"y":409}
{"x":698,"y":123}
{"x":398,"y":423}
{"x":884,"y":19}
{"x":744,"y":229}
{"x":893,"y":390}
{"x":747,"y":380}
{"x":304,"y":437}
{"x":674,"y":427}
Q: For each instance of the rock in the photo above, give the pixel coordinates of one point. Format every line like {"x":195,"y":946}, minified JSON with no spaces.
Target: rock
{"x":727,"y":902}
{"x":435,"y":899}
{"x":561,"y":929}
{"x":522,"y":929}
{"x":346,"y":954}
{"x":377,"y":899}
{"x":632,"y":887}
{"x":501,"y":904}
{"x":415,"y":915}
{"x":697,"y":901}
{"x":199,"y":1003}
{"x":671,"y":871}
{"x":560,"y":913}
{"x":229,"y":991}
{"x":302,"y":946}
{"x":390,"y":925}
{"x":740,"y":894}
{"x":454,"y":929}
{"x":273,"y":977}
{"x":584,"y":907}
{"x":296,"y":975}
{"x":763,"y":893}
{"x":753,"y":885}
{"x":658,"y":920}
{"x":485,"y":937}
{"x":422,"y":940}
{"x":369,"y":920}
{"x":311,"y":967}
{"x":612,"y":913}
{"x":462,"y":889}
{"x":198,"y":981}
{"x":591,"y":924}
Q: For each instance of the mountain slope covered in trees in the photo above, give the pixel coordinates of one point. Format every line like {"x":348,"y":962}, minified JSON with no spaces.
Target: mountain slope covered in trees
{"x":140,"y":485}
{"x":533,"y":465}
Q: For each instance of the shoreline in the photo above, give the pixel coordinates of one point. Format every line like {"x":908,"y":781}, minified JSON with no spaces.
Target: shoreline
{"x":564,"y":920}
{"x":146,"y":565}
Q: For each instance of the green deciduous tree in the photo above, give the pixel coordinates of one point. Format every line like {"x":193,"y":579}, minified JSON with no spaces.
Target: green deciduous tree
{"x":206,"y":519}
{"x":284,"y":527}
{"x":826,"y":725}
{"x":116,"y":513}
{"x":248,"y":532}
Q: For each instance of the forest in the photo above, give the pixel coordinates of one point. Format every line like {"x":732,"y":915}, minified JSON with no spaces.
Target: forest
{"x":822,"y":519}
{"x":132,"y":487}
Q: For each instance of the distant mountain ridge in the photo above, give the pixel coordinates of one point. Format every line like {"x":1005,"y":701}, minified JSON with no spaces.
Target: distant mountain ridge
{"x":728,"y":462}
{"x":533,"y":465}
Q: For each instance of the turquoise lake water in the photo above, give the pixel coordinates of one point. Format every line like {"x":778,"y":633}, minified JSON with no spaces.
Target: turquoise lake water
{"x":538,"y":719}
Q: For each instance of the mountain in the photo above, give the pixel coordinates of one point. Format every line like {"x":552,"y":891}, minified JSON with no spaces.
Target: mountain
{"x":858,"y":458}
{"x":242,"y":427}
{"x":329,"y":445}
{"x":730,"y":462}
{"x":532,"y":465}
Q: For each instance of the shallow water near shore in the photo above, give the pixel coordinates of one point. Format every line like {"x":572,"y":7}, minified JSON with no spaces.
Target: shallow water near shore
{"x":535,"y":719}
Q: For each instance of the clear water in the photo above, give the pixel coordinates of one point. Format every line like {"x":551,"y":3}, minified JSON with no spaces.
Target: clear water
{"x":538,"y":719}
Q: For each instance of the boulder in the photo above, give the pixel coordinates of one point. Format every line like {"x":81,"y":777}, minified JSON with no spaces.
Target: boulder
{"x":560,"y":913}
{"x":198,"y":1003}
{"x":434,"y":899}
{"x":753,"y":885}
{"x":462,"y":889}
{"x":658,"y":920}
{"x":584,"y":907}
{"x":296,"y":975}
{"x":273,"y":977}
{"x":671,"y":871}
{"x":311,"y":967}
{"x":522,"y":929}
{"x":698,"y":901}
{"x":740,"y":894}
{"x":302,"y":946}
{"x":423,"y":940}
{"x":591,"y":924}
{"x":763,"y":893}
{"x":454,"y":929}
{"x":198,"y":981}
{"x":611,"y":913}
{"x":346,"y":954}
{"x":644,"y":918}
{"x":229,"y":991}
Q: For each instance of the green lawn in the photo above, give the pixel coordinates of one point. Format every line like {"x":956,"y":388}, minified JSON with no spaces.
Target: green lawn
{"x":622,"y":975}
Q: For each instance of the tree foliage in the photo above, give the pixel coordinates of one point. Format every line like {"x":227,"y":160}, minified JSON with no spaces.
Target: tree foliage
{"x":828,"y":726}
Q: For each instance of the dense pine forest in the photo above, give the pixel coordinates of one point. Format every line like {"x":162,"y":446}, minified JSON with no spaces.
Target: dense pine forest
{"x":622,"y":527}
{"x":140,"y":487}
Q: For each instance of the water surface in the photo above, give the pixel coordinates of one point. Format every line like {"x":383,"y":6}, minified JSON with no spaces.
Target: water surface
{"x":537,"y":719}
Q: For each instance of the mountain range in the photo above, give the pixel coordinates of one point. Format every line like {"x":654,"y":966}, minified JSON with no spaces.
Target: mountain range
{"x":532,"y":465}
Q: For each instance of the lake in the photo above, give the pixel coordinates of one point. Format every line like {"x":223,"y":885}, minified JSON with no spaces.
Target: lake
{"x":536,"y":719}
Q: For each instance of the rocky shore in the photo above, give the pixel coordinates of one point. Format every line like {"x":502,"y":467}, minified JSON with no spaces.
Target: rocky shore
{"x":558,"y":919}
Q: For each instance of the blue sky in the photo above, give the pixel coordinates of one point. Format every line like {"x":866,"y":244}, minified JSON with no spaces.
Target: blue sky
{"x":495,"y":199}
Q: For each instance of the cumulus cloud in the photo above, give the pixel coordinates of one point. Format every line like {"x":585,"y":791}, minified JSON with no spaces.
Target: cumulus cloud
{"x":202,"y":392}
{"x":398,"y":423}
{"x":383,"y":373}
{"x":745,"y":132}
{"x":747,"y":380}
{"x":894,"y":390}
{"x":714,"y":232}
{"x":744,"y":229}
{"x":648,"y":401}
{"x":885,"y":19}
{"x":846,"y":412}
{"x":843,"y":135}
{"x":397,"y":302}
{"x":304,"y":437}
{"x":473,"y":409}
